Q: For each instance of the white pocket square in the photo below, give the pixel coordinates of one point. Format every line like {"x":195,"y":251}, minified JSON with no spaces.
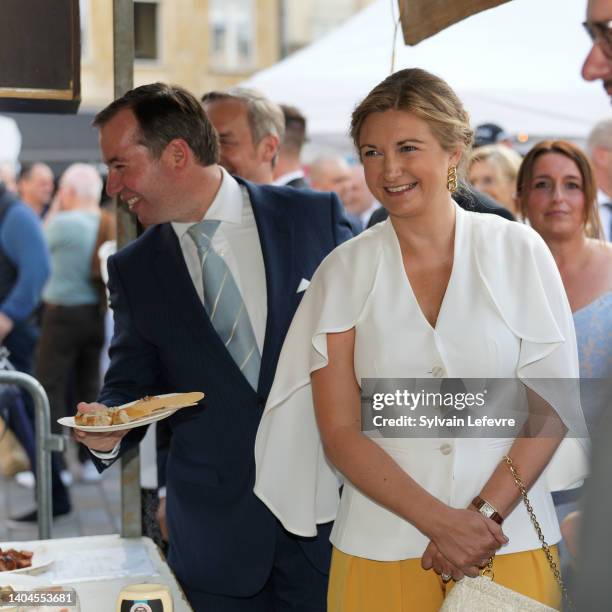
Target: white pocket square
{"x":303,"y":285}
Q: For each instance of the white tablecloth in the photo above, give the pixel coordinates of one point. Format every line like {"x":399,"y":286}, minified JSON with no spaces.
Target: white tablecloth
{"x":97,"y":567}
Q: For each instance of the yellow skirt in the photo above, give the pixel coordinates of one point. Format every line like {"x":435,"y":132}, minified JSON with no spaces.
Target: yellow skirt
{"x":362,"y":585}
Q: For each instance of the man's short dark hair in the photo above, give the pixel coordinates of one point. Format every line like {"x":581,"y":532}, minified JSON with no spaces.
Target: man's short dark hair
{"x":25,"y":171}
{"x":295,"y":129}
{"x":165,"y":112}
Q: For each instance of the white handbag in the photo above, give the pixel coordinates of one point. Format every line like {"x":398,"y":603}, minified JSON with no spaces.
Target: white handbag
{"x":481,"y":594}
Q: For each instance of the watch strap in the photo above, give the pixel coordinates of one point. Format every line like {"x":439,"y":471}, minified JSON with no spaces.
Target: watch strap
{"x":480,"y":503}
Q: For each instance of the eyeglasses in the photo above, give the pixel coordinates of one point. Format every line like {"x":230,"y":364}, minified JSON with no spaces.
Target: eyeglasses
{"x":601,"y":34}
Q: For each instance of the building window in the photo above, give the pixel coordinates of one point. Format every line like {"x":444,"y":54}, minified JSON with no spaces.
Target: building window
{"x":232,"y":35}
{"x":218,"y":39}
{"x":145,"y":30}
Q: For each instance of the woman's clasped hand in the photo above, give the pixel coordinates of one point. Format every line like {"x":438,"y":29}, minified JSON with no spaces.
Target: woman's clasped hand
{"x":462,"y":542}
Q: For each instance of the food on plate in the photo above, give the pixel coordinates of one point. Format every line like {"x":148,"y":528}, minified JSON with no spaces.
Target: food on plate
{"x":140,"y":409}
{"x":12,"y":559}
{"x":99,"y":416}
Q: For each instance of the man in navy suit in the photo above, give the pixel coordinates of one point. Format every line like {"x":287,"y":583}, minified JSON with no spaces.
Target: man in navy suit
{"x":289,"y":169}
{"x":228,"y":551}
{"x":332,"y":173}
{"x":250,"y":129}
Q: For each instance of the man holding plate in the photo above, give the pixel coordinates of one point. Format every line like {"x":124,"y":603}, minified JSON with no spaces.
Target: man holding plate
{"x":202,"y":301}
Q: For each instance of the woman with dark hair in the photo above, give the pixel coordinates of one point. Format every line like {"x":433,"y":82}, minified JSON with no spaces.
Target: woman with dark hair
{"x":558,"y":196}
{"x":434,"y":292}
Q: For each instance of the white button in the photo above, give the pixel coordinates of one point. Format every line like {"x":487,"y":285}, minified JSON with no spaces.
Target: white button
{"x":437,"y":371}
{"x":446,"y":449}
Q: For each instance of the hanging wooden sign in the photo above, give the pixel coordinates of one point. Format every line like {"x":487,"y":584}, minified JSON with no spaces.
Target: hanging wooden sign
{"x":424,"y":18}
{"x":40,"y":47}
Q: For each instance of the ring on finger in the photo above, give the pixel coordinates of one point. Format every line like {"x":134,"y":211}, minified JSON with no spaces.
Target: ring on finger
{"x":445,"y":577}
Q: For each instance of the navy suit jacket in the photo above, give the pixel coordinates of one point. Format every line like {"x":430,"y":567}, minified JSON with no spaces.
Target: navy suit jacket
{"x":222,"y":537}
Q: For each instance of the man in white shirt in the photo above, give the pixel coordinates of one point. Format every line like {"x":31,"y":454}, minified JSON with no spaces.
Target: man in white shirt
{"x":202,"y":301}
{"x":249,"y":126}
{"x":599,"y":147}
{"x":289,"y":169}
{"x":332,"y":173}
{"x":359,"y":200}
{"x":592,"y":588}
{"x":250,"y":129}
{"x":598,"y":63}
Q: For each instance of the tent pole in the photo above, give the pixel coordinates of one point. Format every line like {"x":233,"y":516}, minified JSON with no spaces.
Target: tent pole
{"x":283,"y":46}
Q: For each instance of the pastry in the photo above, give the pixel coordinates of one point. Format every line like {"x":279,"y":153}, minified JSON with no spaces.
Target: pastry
{"x":99,"y":417}
{"x":140,"y":409}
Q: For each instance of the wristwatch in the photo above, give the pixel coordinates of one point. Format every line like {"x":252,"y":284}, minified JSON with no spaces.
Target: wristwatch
{"x":486,"y":509}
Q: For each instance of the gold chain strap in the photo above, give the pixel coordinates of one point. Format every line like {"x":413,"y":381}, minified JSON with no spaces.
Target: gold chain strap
{"x":534,"y":520}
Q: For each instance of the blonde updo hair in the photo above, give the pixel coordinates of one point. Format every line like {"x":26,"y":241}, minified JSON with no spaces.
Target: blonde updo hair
{"x":507,"y":160}
{"x":429,"y":98}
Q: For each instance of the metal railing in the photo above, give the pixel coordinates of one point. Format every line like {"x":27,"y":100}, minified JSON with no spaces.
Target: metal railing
{"x":46,"y":443}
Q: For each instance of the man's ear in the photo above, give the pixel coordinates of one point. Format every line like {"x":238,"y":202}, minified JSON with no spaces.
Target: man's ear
{"x":178,"y":154}
{"x":268,"y":147}
{"x":64,"y":195}
{"x":600,"y":156}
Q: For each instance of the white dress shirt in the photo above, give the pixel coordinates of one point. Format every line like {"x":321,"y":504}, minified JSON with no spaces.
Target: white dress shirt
{"x":237,"y":242}
{"x":288,"y":177}
{"x":364,"y":217}
{"x":505,"y":314}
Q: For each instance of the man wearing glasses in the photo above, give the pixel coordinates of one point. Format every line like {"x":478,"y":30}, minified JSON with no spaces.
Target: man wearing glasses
{"x":598,"y":63}
{"x":591,"y":586}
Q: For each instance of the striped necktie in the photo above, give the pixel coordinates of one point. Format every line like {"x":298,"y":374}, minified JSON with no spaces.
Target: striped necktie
{"x":224,"y":304}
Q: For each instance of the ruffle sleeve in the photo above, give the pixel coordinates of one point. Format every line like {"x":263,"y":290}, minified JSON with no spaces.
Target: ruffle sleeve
{"x":530,"y":297}
{"x":293,"y":476}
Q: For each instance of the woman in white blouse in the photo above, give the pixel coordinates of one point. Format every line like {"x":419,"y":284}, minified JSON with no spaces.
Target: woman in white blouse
{"x":434,"y":291}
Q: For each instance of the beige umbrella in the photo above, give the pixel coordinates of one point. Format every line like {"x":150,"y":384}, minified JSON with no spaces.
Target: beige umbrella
{"x":423,"y":18}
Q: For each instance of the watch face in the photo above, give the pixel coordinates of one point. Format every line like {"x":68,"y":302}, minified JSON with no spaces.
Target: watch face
{"x":487,"y":510}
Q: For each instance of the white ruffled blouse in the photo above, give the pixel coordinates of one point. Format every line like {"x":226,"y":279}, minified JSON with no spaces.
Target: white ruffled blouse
{"x":504,"y":315}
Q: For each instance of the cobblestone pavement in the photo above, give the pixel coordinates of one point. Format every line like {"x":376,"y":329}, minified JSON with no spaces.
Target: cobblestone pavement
{"x":96,"y":508}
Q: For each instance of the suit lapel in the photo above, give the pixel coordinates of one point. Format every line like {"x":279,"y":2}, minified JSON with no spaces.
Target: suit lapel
{"x":174,"y":277}
{"x":275,"y":229}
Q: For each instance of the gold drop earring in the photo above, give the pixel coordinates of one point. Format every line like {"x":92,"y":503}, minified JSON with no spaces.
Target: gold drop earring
{"x":451,"y":179}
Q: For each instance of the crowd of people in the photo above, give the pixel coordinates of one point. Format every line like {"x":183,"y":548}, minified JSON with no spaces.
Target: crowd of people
{"x":54,"y":303}
{"x":276,"y":288}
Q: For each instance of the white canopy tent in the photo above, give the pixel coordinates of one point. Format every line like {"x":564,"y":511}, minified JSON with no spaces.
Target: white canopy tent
{"x":517,"y":65}
{"x":10,"y":140}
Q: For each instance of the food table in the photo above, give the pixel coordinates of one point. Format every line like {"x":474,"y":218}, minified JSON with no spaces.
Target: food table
{"x":97,"y":568}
